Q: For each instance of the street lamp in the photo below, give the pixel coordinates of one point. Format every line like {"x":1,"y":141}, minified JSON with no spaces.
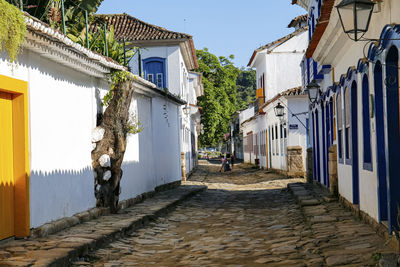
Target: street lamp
{"x":313,"y":90}
{"x":279,"y":110}
{"x":355,"y":16}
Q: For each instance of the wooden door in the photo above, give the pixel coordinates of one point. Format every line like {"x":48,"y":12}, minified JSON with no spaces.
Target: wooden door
{"x":6,"y":167}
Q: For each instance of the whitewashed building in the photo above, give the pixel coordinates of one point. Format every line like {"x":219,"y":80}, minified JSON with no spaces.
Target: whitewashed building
{"x":49,"y":103}
{"x":165,"y":58}
{"x":267,"y":137}
{"x":356,"y":114}
{"x":278,"y":142}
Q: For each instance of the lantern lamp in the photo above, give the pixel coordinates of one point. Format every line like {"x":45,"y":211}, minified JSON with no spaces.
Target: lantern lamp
{"x":279,"y":110}
{"x":313,"y":90}
{"x":355,"y":16}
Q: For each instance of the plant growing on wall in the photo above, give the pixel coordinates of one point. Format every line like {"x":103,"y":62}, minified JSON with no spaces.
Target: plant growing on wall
{"x":12,"y":30}
{"x":110,"y":141}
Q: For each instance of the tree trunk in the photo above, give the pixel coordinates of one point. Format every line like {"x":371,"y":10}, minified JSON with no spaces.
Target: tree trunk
{"x":108,"y":155}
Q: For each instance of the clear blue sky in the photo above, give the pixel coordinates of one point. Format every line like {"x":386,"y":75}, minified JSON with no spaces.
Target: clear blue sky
{"x":223,"y":26}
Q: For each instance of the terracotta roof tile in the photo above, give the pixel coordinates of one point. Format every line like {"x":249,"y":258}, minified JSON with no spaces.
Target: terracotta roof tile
{"x":301,"y":18}
{"x":323,"y":21}
{"x":134,"y":29}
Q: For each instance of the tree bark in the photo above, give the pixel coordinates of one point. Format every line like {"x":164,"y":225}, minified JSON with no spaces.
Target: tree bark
{"x":114,"y":122}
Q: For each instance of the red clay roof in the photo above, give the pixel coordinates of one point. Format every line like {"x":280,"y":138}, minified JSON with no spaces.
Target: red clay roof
{"x":296,"y":20}
{"x":323,"y":21}
{"x":277,"y":42}
{"x":134,"y":29}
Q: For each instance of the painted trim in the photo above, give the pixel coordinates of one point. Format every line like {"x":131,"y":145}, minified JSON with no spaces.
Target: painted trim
{"x":19,"y":91}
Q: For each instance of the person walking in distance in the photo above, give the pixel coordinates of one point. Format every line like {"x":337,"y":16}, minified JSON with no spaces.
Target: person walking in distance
{"x":232,"y":160}
{"x":223,"y":162}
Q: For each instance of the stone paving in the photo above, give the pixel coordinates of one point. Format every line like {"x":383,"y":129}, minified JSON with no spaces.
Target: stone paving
{"x":58,"y":249}
{"x":248,"y":217}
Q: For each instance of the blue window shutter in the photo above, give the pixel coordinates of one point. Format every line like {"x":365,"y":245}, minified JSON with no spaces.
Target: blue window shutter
{"x":366,"y":124}
{"x":156,"y":68}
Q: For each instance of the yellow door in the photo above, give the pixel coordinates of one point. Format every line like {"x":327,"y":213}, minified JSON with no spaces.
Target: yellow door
{"x":6,"y":167}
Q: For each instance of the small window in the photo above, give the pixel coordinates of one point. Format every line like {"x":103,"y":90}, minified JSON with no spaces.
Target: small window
{"x":159,"y":81}
{"x":150,"y":78}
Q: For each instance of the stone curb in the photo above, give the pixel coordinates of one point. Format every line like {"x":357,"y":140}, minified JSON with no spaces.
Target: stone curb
{"x":78,"y":241}
{"x":308,"y":199}
{"x":94,"y":213}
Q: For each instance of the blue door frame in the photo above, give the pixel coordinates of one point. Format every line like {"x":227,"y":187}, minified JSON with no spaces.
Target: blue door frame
{"x":393,"y":134}
{"x":328,"y":143}
{"x":314,"y":148}
{"x":317,"y":158}
{"x":324,"y":177}
{"x":380,"y":143}
{"x":354,"y":144}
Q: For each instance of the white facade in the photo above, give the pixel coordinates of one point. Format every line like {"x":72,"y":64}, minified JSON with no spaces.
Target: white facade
{"x":64,"y":97}
{"x":348,"y":63}
{"x":182,"y":83}
{"x":61,"y":180}
{"x":177,"y":75}
{"x":266,"y":137}
{"x":277,"y":65}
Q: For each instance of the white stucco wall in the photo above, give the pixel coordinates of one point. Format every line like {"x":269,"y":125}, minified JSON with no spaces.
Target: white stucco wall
{"x":166,"y":141}
{"x":63,"y":106}
{"x":174,"y":61}
{"x":277,"y":149}
{"x":62,"y":110}
{"x":336,"y":49}
{"x":280,"y":63}
{"x":138,"y":173}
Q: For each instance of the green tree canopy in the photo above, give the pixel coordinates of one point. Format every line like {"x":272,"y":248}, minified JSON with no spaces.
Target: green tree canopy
{"x":219,"y":100}
{"x":246,"y":87}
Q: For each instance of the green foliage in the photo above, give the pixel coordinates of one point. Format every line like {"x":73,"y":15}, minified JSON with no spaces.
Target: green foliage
{"x":116,"y":78}
{"x":219,"y":100}
{"x":12,"y":30}
{"x":134,"y":125}
{"x":46,"y":9}
{"x":246,"y":87}
{"x":97,"y":43}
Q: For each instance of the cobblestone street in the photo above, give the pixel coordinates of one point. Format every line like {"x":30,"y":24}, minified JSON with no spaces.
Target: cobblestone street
{"x":246,"y":218}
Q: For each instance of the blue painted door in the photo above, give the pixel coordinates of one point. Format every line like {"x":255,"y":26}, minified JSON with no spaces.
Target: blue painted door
{"x":328,"y":142}
{"x":324,"y":152}
{"x":380,"y":143}
{"x":314,"y":148}
{"x":393,"y":134}
{"x":354,"y":144}
{"x":317,"y":156}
